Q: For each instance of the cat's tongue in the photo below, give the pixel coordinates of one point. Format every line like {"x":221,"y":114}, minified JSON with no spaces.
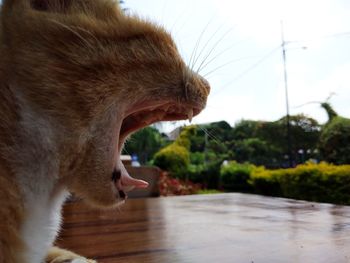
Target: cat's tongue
{"x":128,"y":183}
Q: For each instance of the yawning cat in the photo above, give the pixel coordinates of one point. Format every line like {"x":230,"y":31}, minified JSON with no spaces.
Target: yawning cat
{"x":76,"y":78}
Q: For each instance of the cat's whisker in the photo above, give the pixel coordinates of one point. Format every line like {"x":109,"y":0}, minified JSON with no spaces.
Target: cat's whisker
{"x":88,"y":32}
{"x":210,"y":135}
{"x":186,"y":90}
{"x":179,"y":18}
{"x":194,"y":52}
{"x":74,"y":32}
{"x":213,"y":48}
{"x":179,"y":29}
{"x":206,"y":44}
{"x":219,"y":54}
{"x":224,"y":65}
{"x":243,"y":73}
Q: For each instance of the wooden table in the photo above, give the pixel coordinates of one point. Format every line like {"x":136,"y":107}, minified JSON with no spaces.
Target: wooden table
{"x":210,"y":228}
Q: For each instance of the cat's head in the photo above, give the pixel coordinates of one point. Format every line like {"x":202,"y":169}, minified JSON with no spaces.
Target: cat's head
{"x":101,"y":75}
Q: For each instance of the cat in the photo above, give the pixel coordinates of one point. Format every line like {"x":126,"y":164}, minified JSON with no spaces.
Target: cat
{"x":77,"y":77}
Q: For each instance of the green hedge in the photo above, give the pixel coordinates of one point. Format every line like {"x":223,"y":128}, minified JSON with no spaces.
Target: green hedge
{"x":235,"y":176}
{"x":314,"y":182}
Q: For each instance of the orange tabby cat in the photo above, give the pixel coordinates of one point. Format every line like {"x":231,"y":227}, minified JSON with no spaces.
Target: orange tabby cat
{"x":76,"y":78}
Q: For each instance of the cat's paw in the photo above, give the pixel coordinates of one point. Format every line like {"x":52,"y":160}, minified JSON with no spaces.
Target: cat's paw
{"x":58,"y":255}
{"x":76,"y":260}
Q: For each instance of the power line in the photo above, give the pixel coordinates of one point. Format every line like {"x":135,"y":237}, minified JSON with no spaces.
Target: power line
{"x":335,"y":35}
{"x":242,"y":74}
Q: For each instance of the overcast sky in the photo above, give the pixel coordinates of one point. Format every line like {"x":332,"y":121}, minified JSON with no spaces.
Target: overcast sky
{"x":246,"y":37}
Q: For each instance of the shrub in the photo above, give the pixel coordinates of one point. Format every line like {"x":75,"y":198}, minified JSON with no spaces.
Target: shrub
{"x":235,"y":176}
{"x":171,"y":186}
{"x":211,"y":174}
{"x":174,"y":159}
{"x":314,"y":182}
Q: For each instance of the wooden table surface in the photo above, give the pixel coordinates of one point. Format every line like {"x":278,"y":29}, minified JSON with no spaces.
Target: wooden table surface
{"x":210,"y":228}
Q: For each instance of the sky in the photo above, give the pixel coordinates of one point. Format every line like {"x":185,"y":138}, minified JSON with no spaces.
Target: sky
{"x":240,"y":44}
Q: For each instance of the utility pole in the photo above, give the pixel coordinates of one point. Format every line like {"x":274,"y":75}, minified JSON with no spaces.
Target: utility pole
{"x":289,"y":141}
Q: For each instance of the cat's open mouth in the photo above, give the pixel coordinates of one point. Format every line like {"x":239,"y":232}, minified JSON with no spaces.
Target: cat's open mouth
{"x":139,"y":116}
{"x":143,"y":115}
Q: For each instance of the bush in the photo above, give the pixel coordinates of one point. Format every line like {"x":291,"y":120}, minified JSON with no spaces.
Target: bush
{"x":235,"y":176}
{"x":266,"y":182}
{"x":171,"y":186}
{"x":174,"y":159}
{"x":314,"y":182}
{"x":211,"y":174}
{"x":206,"y":174}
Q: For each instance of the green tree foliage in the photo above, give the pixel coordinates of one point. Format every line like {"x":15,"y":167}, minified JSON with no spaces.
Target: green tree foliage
{"x":257,"y":151}
{"x":256,"y":142}
{"x":335,"y":138}
{"x":329,"y":110}
{"x":246,"y":129}
{"x":265,"y":143}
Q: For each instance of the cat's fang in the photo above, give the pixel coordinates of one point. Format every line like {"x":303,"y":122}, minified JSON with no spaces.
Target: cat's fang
{"x":190,"y":115}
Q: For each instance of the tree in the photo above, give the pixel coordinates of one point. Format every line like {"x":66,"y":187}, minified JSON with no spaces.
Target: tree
{"x":257,"y":151}
{"x":268,"y":139}
{"x":335,"y":137}
{"x":245,"y":129}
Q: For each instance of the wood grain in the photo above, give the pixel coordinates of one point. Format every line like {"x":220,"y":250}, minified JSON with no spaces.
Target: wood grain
{"x":210,"y":228}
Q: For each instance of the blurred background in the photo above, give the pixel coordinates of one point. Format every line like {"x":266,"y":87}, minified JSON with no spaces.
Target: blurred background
{"x":237,"y":45}
{"x":279,"y":72}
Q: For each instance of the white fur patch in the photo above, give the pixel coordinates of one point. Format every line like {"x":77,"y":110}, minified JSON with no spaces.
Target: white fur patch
{"x":41,"y":226}
{"x":36,"y":166}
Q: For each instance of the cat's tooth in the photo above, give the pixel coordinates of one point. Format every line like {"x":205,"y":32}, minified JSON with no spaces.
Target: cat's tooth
{"x":190,"y":115}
